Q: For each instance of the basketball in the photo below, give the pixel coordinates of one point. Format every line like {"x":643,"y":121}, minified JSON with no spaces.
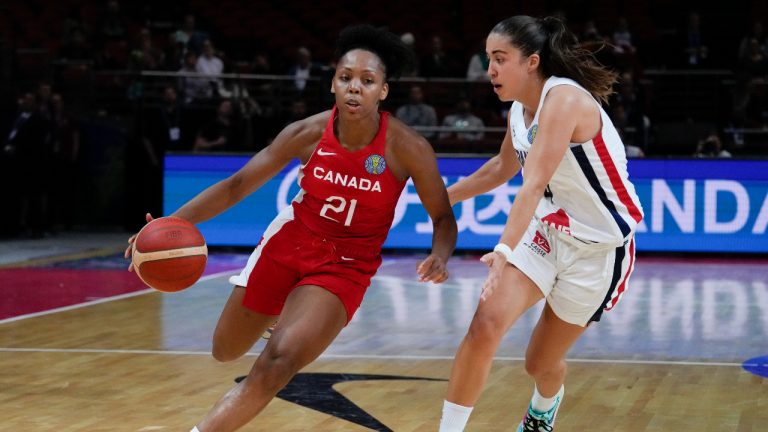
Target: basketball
{"x":169,"y":254}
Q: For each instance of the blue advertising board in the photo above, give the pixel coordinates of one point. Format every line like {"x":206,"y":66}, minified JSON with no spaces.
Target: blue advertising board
{"x":703,"y":205}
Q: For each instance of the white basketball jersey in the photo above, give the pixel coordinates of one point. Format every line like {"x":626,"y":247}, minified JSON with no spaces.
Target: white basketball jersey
{"x":589,"y":198}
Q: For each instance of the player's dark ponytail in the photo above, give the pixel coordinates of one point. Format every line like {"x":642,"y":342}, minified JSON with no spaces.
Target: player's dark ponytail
{"x":559,"y":51}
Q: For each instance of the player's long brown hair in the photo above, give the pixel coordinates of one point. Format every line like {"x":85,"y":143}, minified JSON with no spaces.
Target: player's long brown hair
{"x":559,"y":51}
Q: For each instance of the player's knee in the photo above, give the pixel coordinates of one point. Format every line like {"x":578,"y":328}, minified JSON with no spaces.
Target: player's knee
{"x":277,"y":368}
{"x":485,"y":331}
{"x":224,"y":352}
{"x":536,"y":367}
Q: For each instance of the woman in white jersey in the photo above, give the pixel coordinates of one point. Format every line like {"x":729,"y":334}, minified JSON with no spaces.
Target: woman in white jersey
{"x":569,"y":237}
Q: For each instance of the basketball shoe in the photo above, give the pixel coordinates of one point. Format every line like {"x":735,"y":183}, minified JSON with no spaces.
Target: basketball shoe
{"x":535,"y":421}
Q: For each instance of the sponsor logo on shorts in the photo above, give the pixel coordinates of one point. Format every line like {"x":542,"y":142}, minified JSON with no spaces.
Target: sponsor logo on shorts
{"x":540,"y":245}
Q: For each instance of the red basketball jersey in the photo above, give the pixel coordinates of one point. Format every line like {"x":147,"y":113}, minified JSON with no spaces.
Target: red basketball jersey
{"x":348,"y":195}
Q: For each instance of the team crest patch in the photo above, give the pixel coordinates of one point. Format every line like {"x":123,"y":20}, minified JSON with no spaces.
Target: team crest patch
{"x":375,"y":164}
{"x":532,"y":133}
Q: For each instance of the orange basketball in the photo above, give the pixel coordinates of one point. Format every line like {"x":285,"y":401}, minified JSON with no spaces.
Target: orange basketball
{"x":169,"y":254}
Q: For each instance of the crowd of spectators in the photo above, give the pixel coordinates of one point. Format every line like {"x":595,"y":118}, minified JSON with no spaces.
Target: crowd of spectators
{"x":194,"y":104}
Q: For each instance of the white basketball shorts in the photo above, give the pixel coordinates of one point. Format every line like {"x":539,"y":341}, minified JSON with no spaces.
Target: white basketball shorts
{"x":579,"y":282}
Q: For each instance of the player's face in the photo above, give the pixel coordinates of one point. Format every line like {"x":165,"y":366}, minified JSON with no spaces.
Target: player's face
{"x":359,"y":83}
{"x":508,"y":69}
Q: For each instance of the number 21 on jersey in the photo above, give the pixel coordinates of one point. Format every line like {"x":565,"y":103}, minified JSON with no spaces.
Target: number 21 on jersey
{"x":338,"y":205}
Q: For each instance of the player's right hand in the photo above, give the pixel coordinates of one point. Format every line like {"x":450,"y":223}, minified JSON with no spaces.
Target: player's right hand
{"x":132,"y":239}
{"x":496,"y":263}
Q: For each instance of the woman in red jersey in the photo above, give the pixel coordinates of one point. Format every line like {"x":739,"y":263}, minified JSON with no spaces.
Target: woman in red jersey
{"x":316,"y":259}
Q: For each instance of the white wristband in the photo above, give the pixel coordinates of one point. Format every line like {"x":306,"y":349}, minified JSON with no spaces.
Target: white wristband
{"x":504,"y":250}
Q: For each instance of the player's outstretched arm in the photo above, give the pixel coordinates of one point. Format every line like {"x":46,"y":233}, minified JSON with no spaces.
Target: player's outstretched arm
{"x":491,"y":174}
{"x":296,"y":140}
{"x":418,"y":160}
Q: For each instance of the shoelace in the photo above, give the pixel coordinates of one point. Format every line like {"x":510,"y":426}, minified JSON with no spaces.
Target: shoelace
{"x":533,"y":424}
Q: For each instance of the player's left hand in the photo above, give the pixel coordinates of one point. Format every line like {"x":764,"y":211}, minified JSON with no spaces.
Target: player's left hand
{"x":432,"y":269}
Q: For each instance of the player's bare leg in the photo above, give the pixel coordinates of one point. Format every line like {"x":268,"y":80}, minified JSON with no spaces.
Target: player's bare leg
{"x":310,"y":321}
{"x":516,"y":294}
{"x":238,"y":328}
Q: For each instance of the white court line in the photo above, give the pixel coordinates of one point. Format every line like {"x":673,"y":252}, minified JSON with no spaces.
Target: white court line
{"x":373,"y":357}
{"x":104,"y":300}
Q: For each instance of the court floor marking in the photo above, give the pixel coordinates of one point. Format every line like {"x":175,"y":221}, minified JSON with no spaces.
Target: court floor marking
{"x":105,"y":299}
{"x":376,"y":357}
{"x":128,"y":295}
{"x":73,"y":256}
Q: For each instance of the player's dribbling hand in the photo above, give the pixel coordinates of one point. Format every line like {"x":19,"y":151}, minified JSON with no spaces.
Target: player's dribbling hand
{"x":495,"y":262}
{"x":131,"y":239}
{"x":432,"y":269}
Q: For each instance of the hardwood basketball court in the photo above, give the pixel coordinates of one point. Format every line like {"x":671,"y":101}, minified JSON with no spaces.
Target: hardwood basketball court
{"x":670,"y":357}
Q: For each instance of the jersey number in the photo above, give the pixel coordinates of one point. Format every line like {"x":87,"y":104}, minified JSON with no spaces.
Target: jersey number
{"x":338,"y":205}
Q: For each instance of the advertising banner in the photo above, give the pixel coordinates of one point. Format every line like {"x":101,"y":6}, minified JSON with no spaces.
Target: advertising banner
{"x":703,"y":205}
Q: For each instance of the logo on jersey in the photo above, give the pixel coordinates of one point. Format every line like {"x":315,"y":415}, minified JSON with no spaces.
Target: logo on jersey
{"x":532,"y":133}
{"x":375,"y":164}
{"x":559,"y":221}
{"x":346,"y":180}
{"x":540,"y":245}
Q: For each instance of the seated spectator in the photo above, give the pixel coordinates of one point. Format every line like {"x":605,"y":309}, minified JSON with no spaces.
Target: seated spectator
{"x":298,"y":111}
{"x":755,"y":61}
{"x":261,"y":65}
{"x":210,"y":64}
{"x":165,"y":128}
{"x":594,"y":41}
{"x":711,"y":147}
{"x":76,"y":48}
{"x":622,"y":38}
{"x":114,"y":25}
{"x":417,"y":113}
{"x":173,"y":54}
{"x":746,"y":48}
{"x":436,"y":63}
{"x":192,"y":87}
{"x":189,"y":36}
{"x":695,"y":46}
{"x":27,"y":148}
{"x":145,"y":56}
{"x":477,"y":70}
{"x":303,"y":68}
{"x":463,"y":119}
{"x":221,"y":133}
{"x":625,"y":130}
{"x":410,"y":41}
{"x":627,"y":112}
{"x":623,"y":49}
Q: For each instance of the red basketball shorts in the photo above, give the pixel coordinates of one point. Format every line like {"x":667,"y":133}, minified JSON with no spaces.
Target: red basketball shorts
{"x":290,"y":255}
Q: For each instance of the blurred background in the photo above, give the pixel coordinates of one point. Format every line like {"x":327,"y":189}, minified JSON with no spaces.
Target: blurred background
{"x":94,"y":94}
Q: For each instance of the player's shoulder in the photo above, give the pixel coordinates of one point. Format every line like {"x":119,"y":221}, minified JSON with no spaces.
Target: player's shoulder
{"x":565,"y":98}
{"x":310,"y":128}
{"x":401,"y":136}
{"x":568,"y":93}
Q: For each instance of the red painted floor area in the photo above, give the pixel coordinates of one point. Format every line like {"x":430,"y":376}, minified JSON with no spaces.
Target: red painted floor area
{"x":30,"y":290}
